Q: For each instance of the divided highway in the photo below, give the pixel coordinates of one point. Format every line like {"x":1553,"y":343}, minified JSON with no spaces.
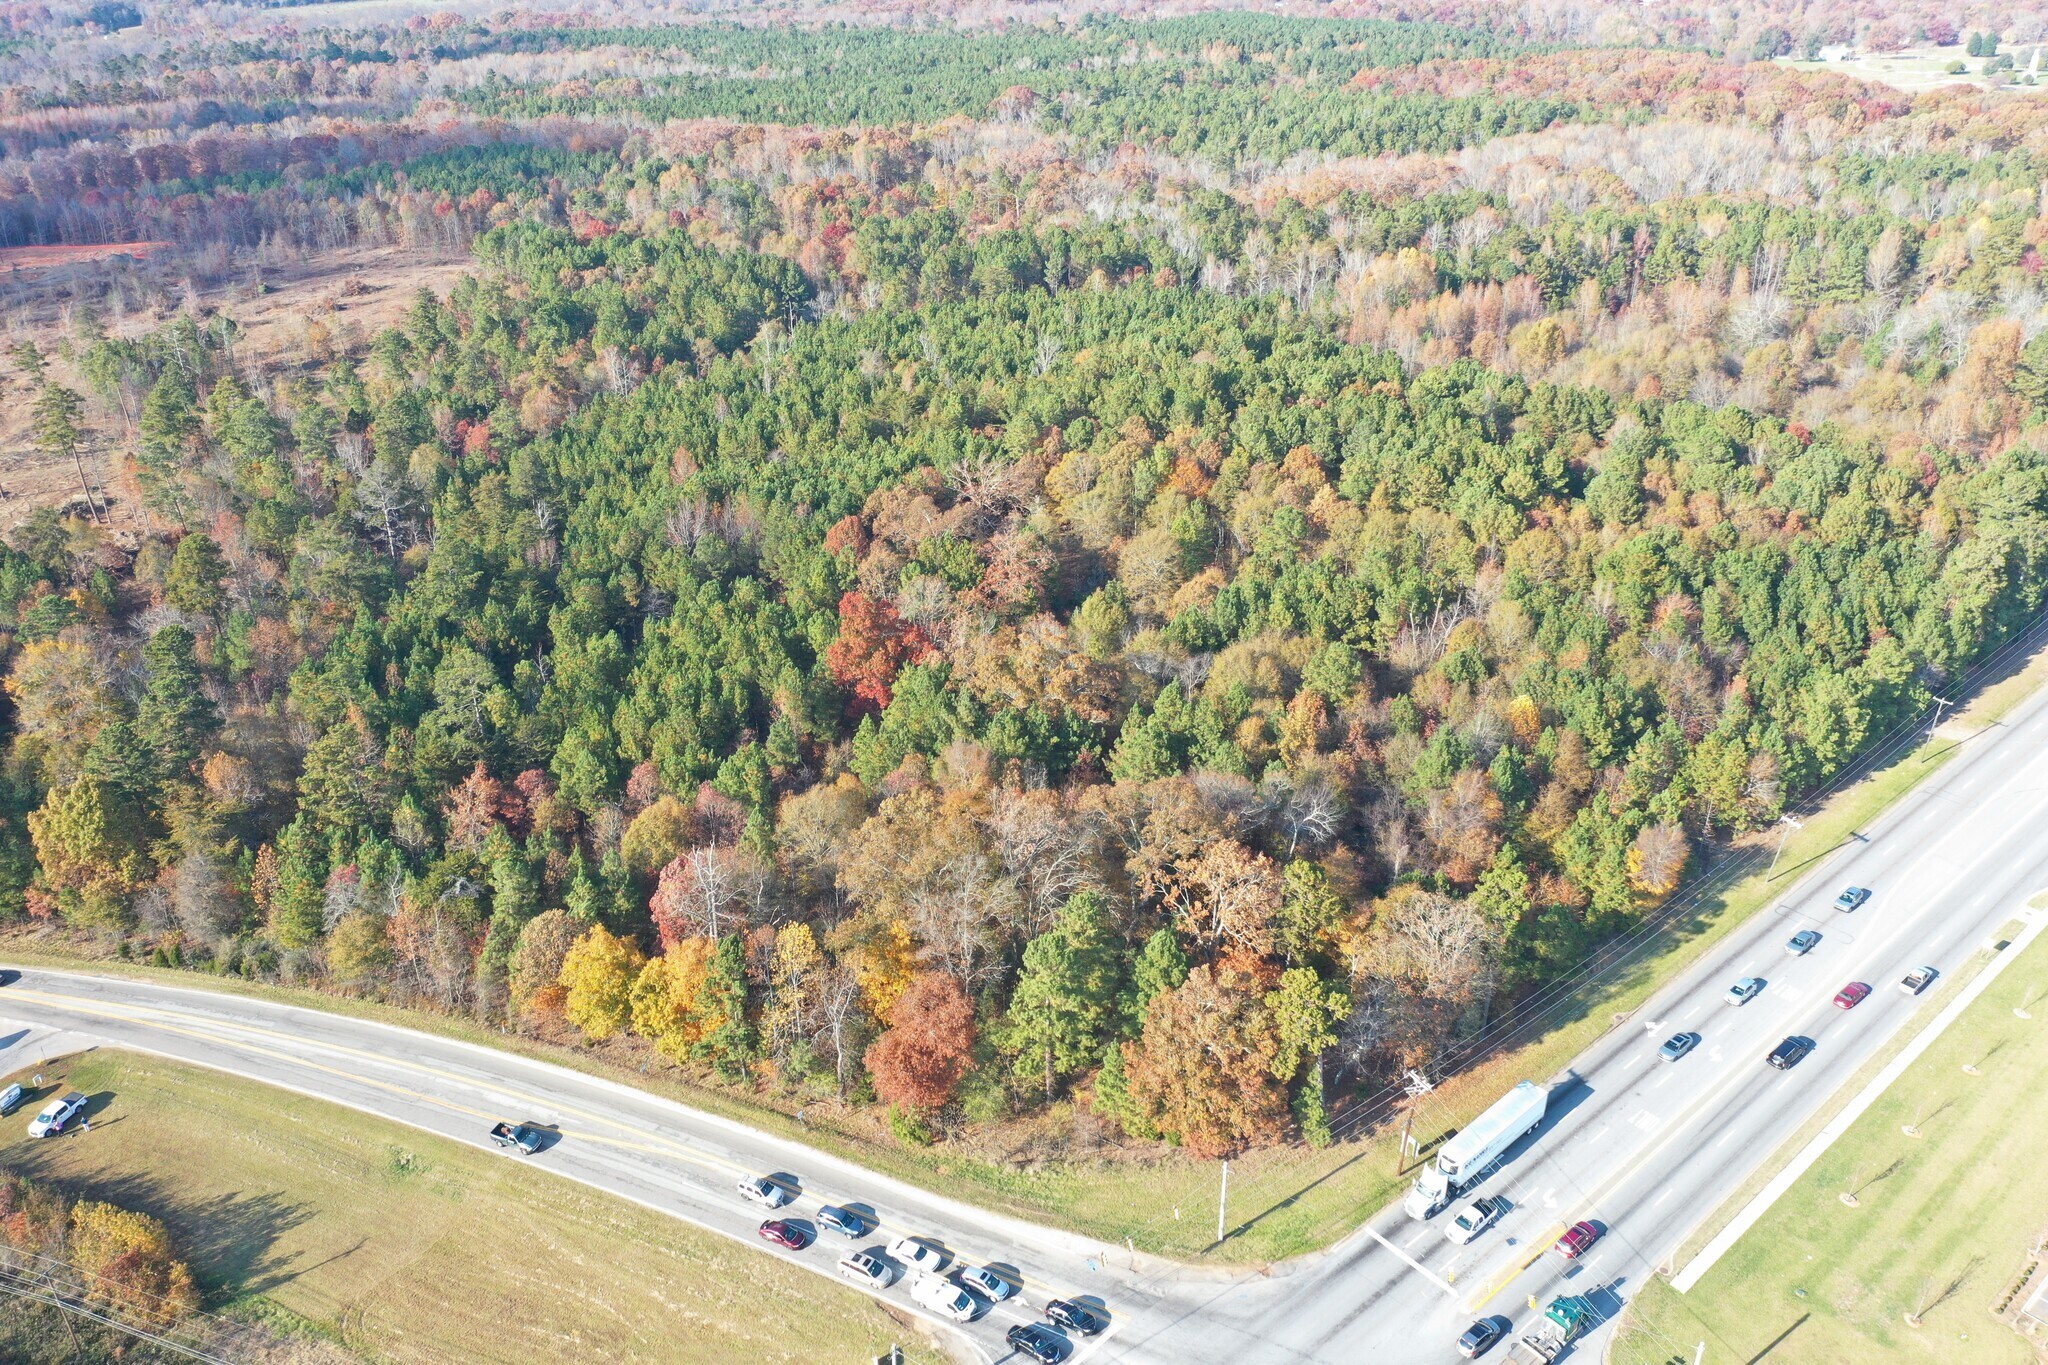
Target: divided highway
{"x":1643,"y":1147}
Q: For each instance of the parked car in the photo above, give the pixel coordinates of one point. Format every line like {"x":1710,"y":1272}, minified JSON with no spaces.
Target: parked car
{"x":942,"y":1296}
{"x":845,"y":1222}
{"x":759,"y":1189}
{"x":1802,"y":943}
{"x":864,"y":1267}
{"x":1075,"y":1317}
{"x":1745,"y":990}
{"x":918,"y":1255}
{"x":1475,"y":1218}
{"x":1851,"y":995}
{"x":1852,"y":898}
{"x":1790,"y":1053}
{"x":56,"y":1116}
{"x":1912,"y":983}
{"x":1677,"y":1045}
{"x":10,"y":1099}
{"x":1038,"y":1341}
{"x":1480,"y":1337}
{"x":1578,"y":1239}
{"x":785,"y":1234}
{"x":990,"y":1285}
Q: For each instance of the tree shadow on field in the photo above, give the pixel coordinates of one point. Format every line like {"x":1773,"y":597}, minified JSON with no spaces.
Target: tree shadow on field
{"x":228,"y":1239}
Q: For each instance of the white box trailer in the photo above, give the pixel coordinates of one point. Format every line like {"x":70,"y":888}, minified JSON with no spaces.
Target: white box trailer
{"x":1460,"y":1163}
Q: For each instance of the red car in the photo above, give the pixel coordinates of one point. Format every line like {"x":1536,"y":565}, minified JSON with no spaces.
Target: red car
{"x":784,"y":1234}
{"x":1577,"y":1241}
{"x":1850,"y":995}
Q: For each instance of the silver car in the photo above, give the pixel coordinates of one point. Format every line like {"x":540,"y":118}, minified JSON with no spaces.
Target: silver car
{"x":1745,"y":990}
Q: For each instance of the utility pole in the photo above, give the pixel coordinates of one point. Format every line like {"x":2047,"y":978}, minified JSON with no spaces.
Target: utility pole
{"x":1790,"y":825}
{"x":1941,"y":704}
{"x":1700,"y":1354}
{"x":1223,"y":1199}
{"x":1416,"y":1087}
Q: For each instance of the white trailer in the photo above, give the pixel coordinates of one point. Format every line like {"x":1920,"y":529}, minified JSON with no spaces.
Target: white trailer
{"x":1460,"y":1163}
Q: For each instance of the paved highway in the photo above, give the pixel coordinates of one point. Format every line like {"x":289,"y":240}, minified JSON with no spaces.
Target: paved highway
{"x":1648,"y":1148}
{"x":1643,"y":1147}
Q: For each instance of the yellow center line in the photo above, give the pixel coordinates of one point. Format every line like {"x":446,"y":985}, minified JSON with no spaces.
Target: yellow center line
{"x":217,"y":1030}
{"x":219,"y":1033}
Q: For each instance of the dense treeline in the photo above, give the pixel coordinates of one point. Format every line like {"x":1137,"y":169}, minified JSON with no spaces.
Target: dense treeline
{"x":1034,"y":675}
{"x":1171,"y":567}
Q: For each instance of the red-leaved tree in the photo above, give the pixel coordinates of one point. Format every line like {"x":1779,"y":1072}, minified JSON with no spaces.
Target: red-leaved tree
{"x":873,"y":646}
{"x":921,"y":1059}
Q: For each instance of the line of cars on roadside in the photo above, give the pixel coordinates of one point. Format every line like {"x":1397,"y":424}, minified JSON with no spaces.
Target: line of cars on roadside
{"x":958,"y":1295}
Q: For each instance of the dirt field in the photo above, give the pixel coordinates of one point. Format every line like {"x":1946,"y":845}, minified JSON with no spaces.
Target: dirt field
{"x":351,"y":294}
{"x":1916,"y":71}
{"x":19,"y":258}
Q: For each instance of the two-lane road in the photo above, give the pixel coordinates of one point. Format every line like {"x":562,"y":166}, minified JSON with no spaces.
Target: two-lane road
{"x":1643,"y":1147}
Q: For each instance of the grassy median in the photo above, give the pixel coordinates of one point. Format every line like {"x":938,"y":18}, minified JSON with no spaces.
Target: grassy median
{"x":406,"y":1247}
{"x":1941,"y":1228}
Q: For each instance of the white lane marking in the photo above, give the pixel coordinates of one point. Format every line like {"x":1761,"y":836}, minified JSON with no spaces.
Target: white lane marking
{"x":1658,"y":1202}
{"x":1413,"y":1264}
{"x":1728,"y":1137}
{"x":1420,"y":1233}
{"x":1855,"y":1109}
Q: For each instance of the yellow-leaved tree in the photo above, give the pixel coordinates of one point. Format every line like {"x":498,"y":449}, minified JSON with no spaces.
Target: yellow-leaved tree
{"x":598,"y":973}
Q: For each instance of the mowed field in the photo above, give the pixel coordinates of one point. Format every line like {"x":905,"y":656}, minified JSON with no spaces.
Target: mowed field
{"x":404,"y":1247}
{"x":1942,"y":1227}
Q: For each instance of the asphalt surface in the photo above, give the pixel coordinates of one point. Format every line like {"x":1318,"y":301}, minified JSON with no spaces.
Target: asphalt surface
{"x":1642,"y":1147}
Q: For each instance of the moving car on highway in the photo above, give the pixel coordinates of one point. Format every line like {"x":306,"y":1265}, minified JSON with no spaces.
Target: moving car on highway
{"x":1851,"y":995}
{"x":523,"y":1138}
{"x":1038,"y":1341}
{"x":759,"y":1189}
{"x":1912,"y":983}
{"x":1475,"y":1218}
{"x":1075,"y":1317}
{"x":1745,"y":990}
{"x":56,"y":1115}
{"x":1677,"y":1045}
{"x":864,"y":1267}
{"x":942,"y":1296}
{"x":918,"y":1255}
{"x":1852,"y":898}
{"x":1578,"y":1239}
{"x":1479,"y":1338}
{"x":845,"y":1222}
{"x":990,"y":1285}
{"x":1801,"y":943}
{"x":784,"y":1234}
{"x":1790,"y":1053}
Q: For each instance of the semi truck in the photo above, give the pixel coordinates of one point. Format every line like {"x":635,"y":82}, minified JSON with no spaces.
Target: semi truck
{"x":1460,"y":1163}
{"x":1563,"y":1322}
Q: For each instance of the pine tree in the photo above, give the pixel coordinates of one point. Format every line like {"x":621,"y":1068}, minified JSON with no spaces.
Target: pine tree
{"x":175,"y":716}
{"x":1162,"y":966}
{"x":1065,"y":996}
{"x":728,"y":1040}
{"x":54,"y":423}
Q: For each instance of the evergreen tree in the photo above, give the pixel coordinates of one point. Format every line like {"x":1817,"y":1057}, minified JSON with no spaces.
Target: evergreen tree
{"x":1065,"y":998}
{"x":175,"y":716}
